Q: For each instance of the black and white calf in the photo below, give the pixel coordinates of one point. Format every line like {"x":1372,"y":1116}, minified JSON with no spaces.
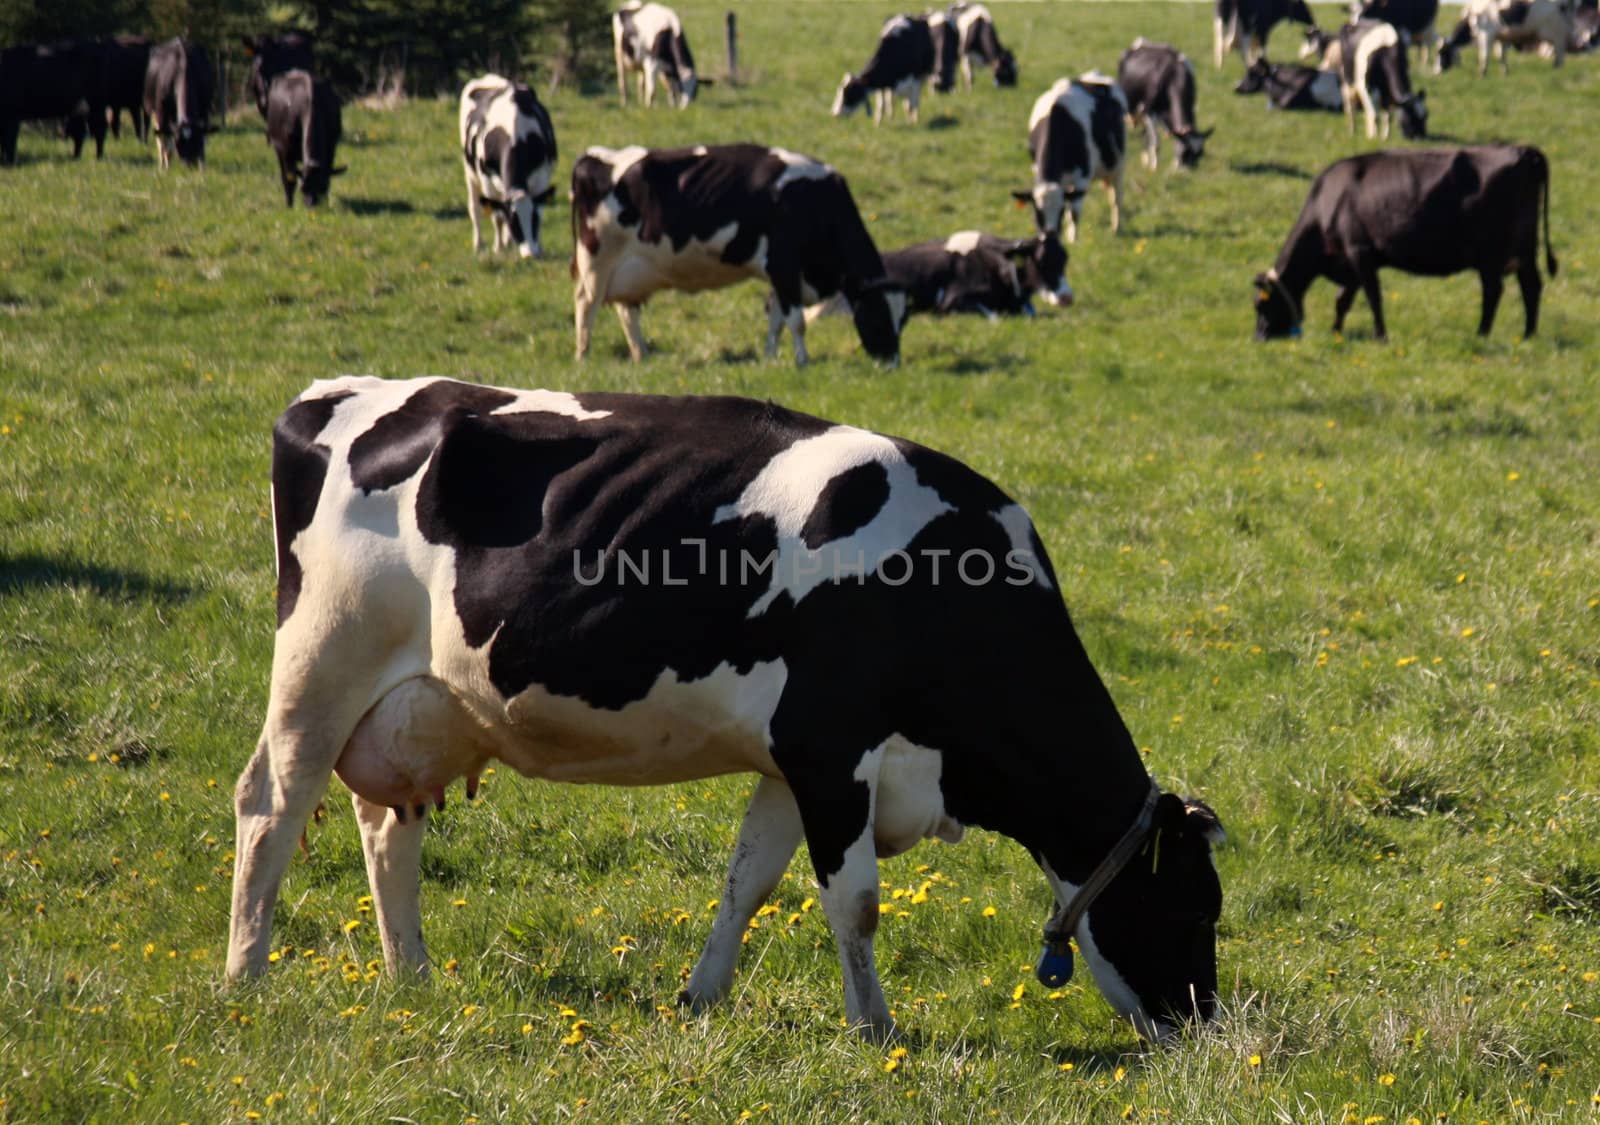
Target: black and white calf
{"x":649,"y":39}
{"x":1431,"y":211}
{"x":1524,"y":24}
{"x":304,"y":124}
{"x":1376,"y":75}
{"x":508,"y":151}
{"x":708,"y":217}
{"x":1158,"y":81}
{"x":976,"y":272}
{"x":1077,"y":134}
{"x":1291,"y":86}
{"x":908,"y":55}
{"x":1245,"y":24}
{"x":179,"y":87}
{"x":641,"y":590}
{"x":980,"y":46}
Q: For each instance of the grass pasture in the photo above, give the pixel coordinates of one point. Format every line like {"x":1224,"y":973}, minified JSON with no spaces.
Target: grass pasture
{"x":1347,"y":591}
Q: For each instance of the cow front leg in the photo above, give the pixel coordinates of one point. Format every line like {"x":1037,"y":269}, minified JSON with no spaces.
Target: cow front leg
{"x":1369,"y":286}
{"x":1114,"y":190}
{"x":629,"y":315}
{"x":1531,"y":284}
{"x":914,"y":104}
{"x":1152,"y":144}
{"x":393,"y":849}
{"x":584,"y":302}
{"x":474,"y":207}
{"x":795,"y":318}
{"x":1493,"y":287}
{"x":1342,"y":303}
{"x":767,"y":840}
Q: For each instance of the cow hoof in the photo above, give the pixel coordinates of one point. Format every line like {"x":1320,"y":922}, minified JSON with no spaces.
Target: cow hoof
{"x":879,"y":1034}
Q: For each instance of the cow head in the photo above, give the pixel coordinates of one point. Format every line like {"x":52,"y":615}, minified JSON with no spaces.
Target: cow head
{"x":1005,"y":68}
{"x":1316,"y":44}
{"x":522,"y":212}
{"x":1050,"y":201}
{"x":850,"y":97}
{"x":1192,"y":145}
{"x":688,"y":86}
{"x":1277,"y":312}
{"x":315,"y":181}
{"x":1042,"y":262}
{"x":879,"y":308}
{"x":1414,"y":116}
{"x":1151,"y":934}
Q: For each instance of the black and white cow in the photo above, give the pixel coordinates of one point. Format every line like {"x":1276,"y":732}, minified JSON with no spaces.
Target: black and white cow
{"x":1430,"y":211}
{"x":508,"y":150}
{"x":979,"y":45}
{"x":60,"y":80}
{"x":304,"y":124}
{"x":641,"y":590}
{"x":178,"y":90}
{"x":1291,"y":86}
{"x":272,"y":54}
{"x":908,"y":55}
{"x":975,"y":272}
{"x":649,"y":39}
{"x":1495,"y":25}
{"x":1158,"y":81}
{"x":1376,"y":75}
{"x":1415,"y":20}
{"x":1245,"y":24}
{"x":708,"y":217}
{"x":1077,"y":134}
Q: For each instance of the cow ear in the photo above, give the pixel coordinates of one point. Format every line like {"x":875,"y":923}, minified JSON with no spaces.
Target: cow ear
{"x":1199,"y":817}
{"x":705,"y":81}
{"x":338,"y":170}
{"x":1205,"y":134}
{"x":1022,"y":197}
{"x":249,"y":45}
{"x":546,"y":195}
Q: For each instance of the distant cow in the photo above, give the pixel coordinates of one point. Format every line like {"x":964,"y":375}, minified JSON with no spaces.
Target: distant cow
{"x":906,"y":57}
{"x":1415,"y":20}
{"x":60,"y":80}
{"x":867,"y":625}
{"x":1523,"y":25}
{"x":178,"y":90}
{"x":1077,"y":134}
{"x":508,"y":150}
{"x":1427,"y":211}
{"x":975,"y":272}
{"x":981,"y":46}
{"x":1158,"y":81}
{"x":708,"y":217}
{"x":1245,"y":24}
{"x":304,"y":124}
{"x":274,"y":54}
{"x":1290,"y":86}
{"x":649,"y":39}
{"x":1375,"y":74}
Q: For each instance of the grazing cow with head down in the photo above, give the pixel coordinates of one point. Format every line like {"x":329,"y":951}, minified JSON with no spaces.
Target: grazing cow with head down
{"x":1291,"y":86}
{"x":61,"y":80}
{"x":1077,"y":133}
{"x":304,"y":124}
{"x":908,"y":55}
{"x":641,"y":590}
{"x":649,"y":39}
{"x":1375,"y":74}
{"x":1524,"y":24}
{"x":1158,"y":81}
{"x":178,"y":90}
{"x":508,"y":148}
{"x":1425,"y":211}
{"x":1245,"y":24}
{"x":978,"y":44}
{"x":711,"y":216}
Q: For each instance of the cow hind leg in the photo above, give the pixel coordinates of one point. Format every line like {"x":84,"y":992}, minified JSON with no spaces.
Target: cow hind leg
{"x":629,"y":315}
{"x":393,"y":850}
{"x":473,"y":212}
{"x":1369,"y":286}
{"x":1531,"y":284}
{"x":1342,"y":303}
{"x":1493,"y":287}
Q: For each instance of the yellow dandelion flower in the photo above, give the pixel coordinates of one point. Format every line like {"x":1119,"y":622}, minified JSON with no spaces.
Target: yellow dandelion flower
{"x":351,"y":924}
{"x":989,"y":912}
{"x":574,"y":1039}
{"x":1255,"y":1060}
{"x":1386,"y":1080}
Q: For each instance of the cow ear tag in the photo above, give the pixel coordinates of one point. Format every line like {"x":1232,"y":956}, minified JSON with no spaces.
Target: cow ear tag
{"x":1294,"y":333}
{"x":1053,"y":969}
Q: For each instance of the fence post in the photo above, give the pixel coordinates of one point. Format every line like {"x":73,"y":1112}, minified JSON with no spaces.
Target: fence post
{"x":733,"y":48}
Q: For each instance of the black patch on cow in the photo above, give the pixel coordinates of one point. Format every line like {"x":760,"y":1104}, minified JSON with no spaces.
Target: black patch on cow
{"x":299,"y":466}
{"x":905,"y":50}
{"x":1515,"y":15}
{"x":847,"y":504}
{"x":398,"y":444}
{"x":1108,"y":126}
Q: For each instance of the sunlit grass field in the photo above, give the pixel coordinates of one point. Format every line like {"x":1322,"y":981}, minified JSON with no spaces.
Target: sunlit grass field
{"x":1346,"y":591}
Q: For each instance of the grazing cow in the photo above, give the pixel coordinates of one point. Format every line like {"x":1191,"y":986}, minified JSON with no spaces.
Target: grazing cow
{"x":1158,"y":81}
{"x":870,"y":626}
{"x":1415,"y":20}
{"x":975,"y":272}
{"x":1524,"y":25}
{"x":125,"y":60}
{"x":1375,"y":74}
{"x":1077,"y":133}
{"x":1245,"y":24}
{"x":275,"y":54}
{"x":304,"y":123}
{"x":60,"y":80}
{"x":649,"y":38}
{"x":178,"y":90}
{"x":708,"y":217}
{"x":508,"y":148}
{"x":1290,"y":86}
{"x":1427,"y":211}
{"x":980,"y":45}
{"x":907,"y":56}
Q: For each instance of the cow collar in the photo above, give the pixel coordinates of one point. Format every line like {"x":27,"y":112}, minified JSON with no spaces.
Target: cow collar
{"x":1064,"y":922}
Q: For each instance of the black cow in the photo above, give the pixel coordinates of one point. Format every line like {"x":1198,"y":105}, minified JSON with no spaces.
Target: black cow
{"x":1426,"y":211}
{"x":1291,"y":86}
{"x":870,"y":626}
{"x":508,"y":151}
{"x":1077,"y":134}
{"x":908,"y":54}
{"x":649,"y":38}
{"x":272,"y":54}
{"x":979,"y":44}
{"x":708,"y":217}
{"x":178,"y":90}
{"x":61,"y":80}
{"x":1245,"y":24}
{"x":124,"y":61}
{"x":1375,"y":74}
{"x":1158,"y":81}
{"x":304,"y":123}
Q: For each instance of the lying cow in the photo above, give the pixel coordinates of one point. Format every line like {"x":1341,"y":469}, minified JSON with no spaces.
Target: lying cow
{"x":869,"y":626}
{"x":1158,"y":81}
{"x":1077,"y":134}
{"x":707,"y":217}
{"x":907,"y":56}
{"x":1427,"y":211}
{"x":508,"y":150}
{"x":975,"y":272}
{"x":304,"y":124}
{"x":179,"y":87}
{"x":62,"y":80}
{"x":1245,"y":24}
{"x":979,"y":45}
{"x":1289,"y":86}
{"x":1524,"y":25}
{"x":649,"y":39}
{"x":1375,"y":74}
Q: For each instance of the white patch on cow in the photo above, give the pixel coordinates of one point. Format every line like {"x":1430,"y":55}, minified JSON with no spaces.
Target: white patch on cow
{"x":646,"y":267}
{"x":550,"y":402}
{"x":1118,"y":993}
{"x":786,"y":491}
{"x":971,"y":14}
{"x":620,"y":159}
{"x":910,"y":806}
{"x":1019,"y":529}
{"x":894,"y":25}
{"x":797,"y":167}
{"x":962,"y":242}
{"x":700,"y":150}
{"x":1047,"y":101}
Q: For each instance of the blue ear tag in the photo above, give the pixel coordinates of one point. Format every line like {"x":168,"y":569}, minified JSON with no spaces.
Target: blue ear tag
{"x":1294,"y":333}
{"x":1053,"y":970}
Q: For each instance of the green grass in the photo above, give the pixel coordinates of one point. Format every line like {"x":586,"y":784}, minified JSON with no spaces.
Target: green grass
{"x":1346,"y":591}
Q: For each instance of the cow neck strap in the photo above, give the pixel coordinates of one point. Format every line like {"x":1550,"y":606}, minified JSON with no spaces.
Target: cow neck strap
{"x":1064,"y":922}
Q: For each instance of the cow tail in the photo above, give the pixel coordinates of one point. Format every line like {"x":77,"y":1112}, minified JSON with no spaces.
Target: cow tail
{"x":1549,"y":254}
